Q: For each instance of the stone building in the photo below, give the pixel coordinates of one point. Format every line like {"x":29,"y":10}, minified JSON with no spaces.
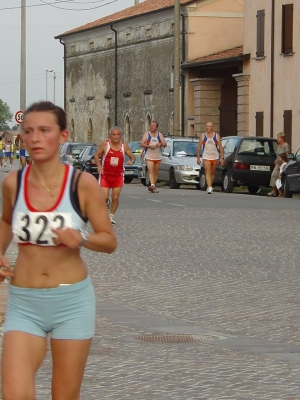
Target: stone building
{"x":119,"y":69}
{"x":271,"y":75}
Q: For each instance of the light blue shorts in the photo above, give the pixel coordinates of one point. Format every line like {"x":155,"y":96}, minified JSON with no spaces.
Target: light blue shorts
{"x":65,"y":312}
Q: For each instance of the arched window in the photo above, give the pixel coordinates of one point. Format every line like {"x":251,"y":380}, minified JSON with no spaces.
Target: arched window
{"x":171,"y":127}
{"x":72,"y":133}
{"x":90,"y":132}
{"x":147,"y":122}
{"x":107,"y":126}
{"x":127,"y":135}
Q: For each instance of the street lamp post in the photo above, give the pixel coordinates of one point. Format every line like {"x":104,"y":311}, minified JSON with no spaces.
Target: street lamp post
{"x":54,"y":77}
{"x":47,"y":70}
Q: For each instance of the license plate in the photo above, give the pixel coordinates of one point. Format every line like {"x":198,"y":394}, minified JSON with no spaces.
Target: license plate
{"x":129,"y":172}
{"x":259,"y":167}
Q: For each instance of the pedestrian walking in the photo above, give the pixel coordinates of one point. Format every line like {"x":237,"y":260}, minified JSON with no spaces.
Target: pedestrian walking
{"x":210,"y":151}
{"x":153,"y":141}
{"x":2,"y":145}
{"x":283,"y":147}
{"x":45,"y":209}
{"x":109,"y":158}
{"x":281,"y":178}
{"x":24,"y":155}
{"x":8,"y":154}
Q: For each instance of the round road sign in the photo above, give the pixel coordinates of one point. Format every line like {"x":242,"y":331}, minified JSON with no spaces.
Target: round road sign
{"x":19,"y":115}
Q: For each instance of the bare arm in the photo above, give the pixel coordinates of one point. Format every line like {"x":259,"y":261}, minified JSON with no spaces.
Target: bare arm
{"x":8,"y":191}
{"x":144,"y":141}
{"x":128,"y":153}
{"x":163,"y":142}
{"x":93,"y":207}
{"x":99,"y":152}
{"x":199,"y":148}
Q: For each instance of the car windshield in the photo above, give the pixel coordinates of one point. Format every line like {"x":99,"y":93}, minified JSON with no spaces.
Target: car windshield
{"x":135,"y":147}
{"x":77,"y":148}
{"x":257,"y":146}
{"x":185,"y":148}
{"x":137,"y":158}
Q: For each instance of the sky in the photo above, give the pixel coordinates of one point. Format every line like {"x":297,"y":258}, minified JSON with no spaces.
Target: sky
{"x":44,"y":20}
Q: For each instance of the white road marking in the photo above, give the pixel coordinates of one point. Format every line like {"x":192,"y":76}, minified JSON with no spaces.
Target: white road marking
{"x":178,"y":205}
{"x":155,"y":201}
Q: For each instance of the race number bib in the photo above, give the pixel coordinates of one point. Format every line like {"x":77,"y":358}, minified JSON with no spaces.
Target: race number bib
{"x":26,"y":153}
{"x":35,"y":227}
{"x":114,"y":161}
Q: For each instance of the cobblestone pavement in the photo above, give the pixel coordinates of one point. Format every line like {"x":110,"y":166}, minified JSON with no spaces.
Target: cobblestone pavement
{"x":226,"y":278}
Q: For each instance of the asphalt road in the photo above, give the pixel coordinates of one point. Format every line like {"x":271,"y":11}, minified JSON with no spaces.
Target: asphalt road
{"x":200,"y":300}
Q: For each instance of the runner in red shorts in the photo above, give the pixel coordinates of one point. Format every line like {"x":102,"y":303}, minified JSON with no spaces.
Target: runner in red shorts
{"x":111,"y":168}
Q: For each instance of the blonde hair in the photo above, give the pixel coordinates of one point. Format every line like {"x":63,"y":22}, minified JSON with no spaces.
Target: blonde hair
{"x":281,"y":135}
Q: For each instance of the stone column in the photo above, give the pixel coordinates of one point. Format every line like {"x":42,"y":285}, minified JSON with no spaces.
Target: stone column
{"x":207,"y":100}
{"x":242,"y":104}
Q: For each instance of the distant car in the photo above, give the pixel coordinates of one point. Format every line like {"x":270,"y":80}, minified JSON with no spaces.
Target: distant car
{"x":291,"y":175}
{"x":131,"y":171}
{"x":85,"y":161}
{"x":69,"y":150}
{"x":178,"y":165}
{"x":248,"y":161}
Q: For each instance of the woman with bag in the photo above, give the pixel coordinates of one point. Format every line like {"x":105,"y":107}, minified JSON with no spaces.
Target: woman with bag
{"x":283,"y":147}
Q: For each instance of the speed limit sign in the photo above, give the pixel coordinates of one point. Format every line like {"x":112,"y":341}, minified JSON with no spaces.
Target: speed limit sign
{"x":19,"y":115}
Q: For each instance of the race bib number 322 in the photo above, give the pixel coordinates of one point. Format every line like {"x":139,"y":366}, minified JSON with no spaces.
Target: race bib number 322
{"x":35,"y":227}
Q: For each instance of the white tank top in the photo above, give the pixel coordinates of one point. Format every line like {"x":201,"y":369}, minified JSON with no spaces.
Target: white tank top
{"x":31,"y":226}
{"x":210,"y":150}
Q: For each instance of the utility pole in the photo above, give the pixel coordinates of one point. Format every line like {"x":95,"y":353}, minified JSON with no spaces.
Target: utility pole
{"x":23,"y":57}
{"x":177,"y":125}
{"x":54,"y":77}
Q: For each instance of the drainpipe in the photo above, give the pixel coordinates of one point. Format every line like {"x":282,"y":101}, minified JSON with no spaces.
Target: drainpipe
{"x":116,"y":75}
{"x":272,"y":71}
{"x":182,"y":76}
{"x":65,"y":69}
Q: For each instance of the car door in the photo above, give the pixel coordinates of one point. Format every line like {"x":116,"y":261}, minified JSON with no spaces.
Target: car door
{"x":164,"y":167}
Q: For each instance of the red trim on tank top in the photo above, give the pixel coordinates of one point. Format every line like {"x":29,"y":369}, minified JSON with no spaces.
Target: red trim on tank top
{"x":62,"y":190}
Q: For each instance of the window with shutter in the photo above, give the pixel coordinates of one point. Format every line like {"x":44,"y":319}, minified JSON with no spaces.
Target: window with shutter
{"x":259,"y":123}
{"x":260,"y":34}
{"x":287,"y":29}
{"x":287,"y":126}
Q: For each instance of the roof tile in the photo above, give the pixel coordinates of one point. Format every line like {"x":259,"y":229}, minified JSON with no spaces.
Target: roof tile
{"x":145,"y":7}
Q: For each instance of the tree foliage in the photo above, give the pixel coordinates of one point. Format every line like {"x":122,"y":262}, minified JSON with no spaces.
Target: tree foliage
{"x":5,"y":114}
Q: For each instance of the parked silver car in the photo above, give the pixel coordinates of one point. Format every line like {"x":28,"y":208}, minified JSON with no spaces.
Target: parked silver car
{"x":178,"y":165}
{"x":70,"y":150}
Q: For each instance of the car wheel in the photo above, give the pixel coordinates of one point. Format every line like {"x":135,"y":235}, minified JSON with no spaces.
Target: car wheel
{"x":172,"y":180}
{"x":228,"y":185}
{"x":143,"y":181}
{"x":287,"y":193}
{"x":253,"y":189}
{"x":128,"y":179}
{"x":202,"y":181}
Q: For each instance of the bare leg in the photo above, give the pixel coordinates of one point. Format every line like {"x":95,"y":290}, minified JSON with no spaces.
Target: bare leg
{"x":208,"y":171}
{"x":22,"y":355}
{"x":115,"y":199}
{"x":69,"y":359}
{"x":155,"y":172}
{"x":23,"y":161}
{"x":150,"y":167}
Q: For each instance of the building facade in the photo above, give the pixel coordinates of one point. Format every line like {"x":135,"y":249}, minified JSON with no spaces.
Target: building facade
{"x":119,"y":69}
{"x":271,"y":75}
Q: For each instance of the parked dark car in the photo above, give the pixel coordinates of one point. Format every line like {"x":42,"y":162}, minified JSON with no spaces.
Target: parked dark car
{"x":131,"y":171}
{"x":85,"y":161}
{"x":291,"y":175}
{"x":69,"y":150}
{"x":248,"y":161}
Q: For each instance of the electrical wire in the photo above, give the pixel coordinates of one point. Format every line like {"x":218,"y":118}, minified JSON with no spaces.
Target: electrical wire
{"x":54,"y":5}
